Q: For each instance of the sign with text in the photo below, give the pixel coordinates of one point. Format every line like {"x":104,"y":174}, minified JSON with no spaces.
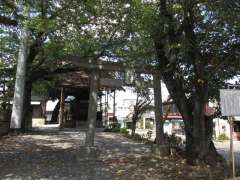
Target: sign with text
{"x":115,"y":83}
{"x":230,"y":102}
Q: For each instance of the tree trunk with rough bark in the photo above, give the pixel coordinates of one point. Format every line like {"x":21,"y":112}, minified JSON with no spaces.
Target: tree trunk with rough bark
{"x":161,"y":148}
{"x":27,"y":108}
{"x":199,"y":144}
{"x":135,"y":116}
{"x":158,"y":109}
{"x":61,"y":109}
{"x":18,"y":100}
{"x":198,"y":127}
{"x":134,"y":122}
{"x":191,"y":101}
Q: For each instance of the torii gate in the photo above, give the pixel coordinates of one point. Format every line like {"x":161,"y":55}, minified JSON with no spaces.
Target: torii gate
{"x":94,"y":67}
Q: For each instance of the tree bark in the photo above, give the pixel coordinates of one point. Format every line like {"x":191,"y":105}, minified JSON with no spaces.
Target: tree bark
{"x":134,"y":122}
{"x":158,"y":109}
{"x":18,"y":100}
{"x":190,"y":103}
{"x":135,"y":115}
{"x":27,"y":108}
{"x":61,"y":110}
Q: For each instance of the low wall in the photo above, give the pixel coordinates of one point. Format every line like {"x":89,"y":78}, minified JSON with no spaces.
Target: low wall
{"x":38,"y":122}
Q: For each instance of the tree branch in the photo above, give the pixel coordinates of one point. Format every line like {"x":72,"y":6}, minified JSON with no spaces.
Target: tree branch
{"x":7,"y":21}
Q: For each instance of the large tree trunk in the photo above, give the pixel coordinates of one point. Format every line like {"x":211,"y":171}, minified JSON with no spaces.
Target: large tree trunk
{"x":61,"y":110}
{"x":199,"y":149}
{"x":134,"y":122}
{"x":158,"y":109}
{"x":161,"y":147}
{"x":18,"y":100}
{"x":135,"y":116}
{"x":198,"y":130}
{"x":27,"y":112}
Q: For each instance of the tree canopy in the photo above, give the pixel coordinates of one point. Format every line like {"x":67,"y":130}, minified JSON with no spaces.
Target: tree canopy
{"x":193,"y":44}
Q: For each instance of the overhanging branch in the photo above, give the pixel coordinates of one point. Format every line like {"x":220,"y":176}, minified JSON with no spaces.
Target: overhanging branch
{"x":7,"y":21}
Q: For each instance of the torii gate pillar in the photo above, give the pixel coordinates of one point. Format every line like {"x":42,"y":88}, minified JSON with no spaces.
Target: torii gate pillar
{"x":92,"y":108}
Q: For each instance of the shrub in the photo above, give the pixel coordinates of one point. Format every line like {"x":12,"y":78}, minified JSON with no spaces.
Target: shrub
{"x":149,"y":124}
{"x":175,"y":141}
{"x":107,"y":130}
{"x":124,"y":131}
{"x":149,"y":135}
{"x":115,"y":127}
{"x":222,"y":137}
{"x":137,"y":137}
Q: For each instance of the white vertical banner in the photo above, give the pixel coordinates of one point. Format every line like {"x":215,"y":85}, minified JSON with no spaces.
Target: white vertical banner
{"x":230,"y":102}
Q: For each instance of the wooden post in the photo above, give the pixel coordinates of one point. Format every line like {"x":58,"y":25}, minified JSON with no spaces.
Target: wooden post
{"x":105,"y":108}
{"x":114,"y":103}
{"x":232,"y":161}
{"x":100,"y":103}
{"x":61,"y":110}
{"x":158,"y":108}
{"x":92,"y":109}
{"x":144,"y":122}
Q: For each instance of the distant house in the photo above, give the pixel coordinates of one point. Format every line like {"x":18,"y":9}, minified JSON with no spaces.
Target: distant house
{"x":221,"y":126}
{"x":38,"y":104}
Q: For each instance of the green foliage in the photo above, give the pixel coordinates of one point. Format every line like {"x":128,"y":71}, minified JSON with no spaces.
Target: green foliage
{"x":42,"y":87}
{"x":149,"y":125}
{"x":40,"y":24}
{"x":124,"y":131}
{"x":222,"y":137}
{"x":116,"y":128}
{"x":175,"y":141}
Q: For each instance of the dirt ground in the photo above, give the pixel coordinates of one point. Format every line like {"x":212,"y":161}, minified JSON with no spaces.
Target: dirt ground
{"x":53,"y":154}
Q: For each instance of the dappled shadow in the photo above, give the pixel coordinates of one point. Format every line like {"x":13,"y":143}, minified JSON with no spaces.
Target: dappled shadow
{"x":41,"y":142}
{"x":113,"y":145}
{"x":57,"y":155}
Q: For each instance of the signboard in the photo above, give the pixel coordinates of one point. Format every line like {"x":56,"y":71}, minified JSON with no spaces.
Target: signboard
{"x":114,"y":83}
{"x":230,"y":102}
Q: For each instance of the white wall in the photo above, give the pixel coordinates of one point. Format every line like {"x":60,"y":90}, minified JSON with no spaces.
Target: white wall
{"x":221,"y":126}
{"x":126,"y":99}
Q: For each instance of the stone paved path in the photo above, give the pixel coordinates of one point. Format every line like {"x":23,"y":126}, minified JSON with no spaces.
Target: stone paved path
{"x":53,"y":155}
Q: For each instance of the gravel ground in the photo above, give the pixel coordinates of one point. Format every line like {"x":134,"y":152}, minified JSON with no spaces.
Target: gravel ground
{"x":54,"y":154}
